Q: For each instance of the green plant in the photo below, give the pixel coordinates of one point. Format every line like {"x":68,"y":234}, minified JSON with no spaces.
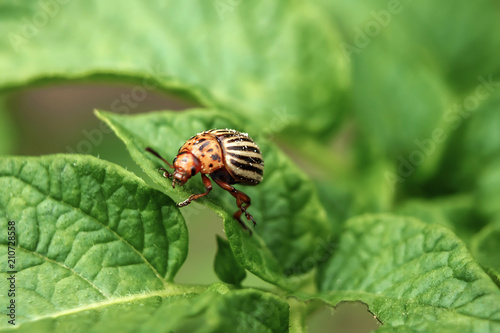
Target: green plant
{"x":401,"y":214}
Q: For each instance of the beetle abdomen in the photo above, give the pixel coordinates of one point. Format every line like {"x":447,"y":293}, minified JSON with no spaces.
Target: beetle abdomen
{"x":242,"y":157}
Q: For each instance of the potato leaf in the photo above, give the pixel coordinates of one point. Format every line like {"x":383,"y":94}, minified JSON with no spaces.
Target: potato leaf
{"x":215,"y":310}
{"x":412,"y":274}
{"x":221,"y":54}
{"x":291,"y":221}
{"x":87,"y":231}
{"x":225,"y":265}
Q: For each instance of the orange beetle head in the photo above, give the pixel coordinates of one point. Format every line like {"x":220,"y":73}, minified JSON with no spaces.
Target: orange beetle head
{"x":186,"y":165}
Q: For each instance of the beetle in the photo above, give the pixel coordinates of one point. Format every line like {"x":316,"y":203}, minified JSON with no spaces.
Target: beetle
{"x":227,"y":156}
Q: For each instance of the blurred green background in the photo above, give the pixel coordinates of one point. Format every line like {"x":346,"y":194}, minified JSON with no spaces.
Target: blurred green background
{"x":387,"y":105}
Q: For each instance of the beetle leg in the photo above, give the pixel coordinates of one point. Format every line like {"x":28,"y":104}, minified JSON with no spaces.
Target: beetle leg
{"x":166,"y":174}
{"x":243,"y":201}
{"x":208,"y":187}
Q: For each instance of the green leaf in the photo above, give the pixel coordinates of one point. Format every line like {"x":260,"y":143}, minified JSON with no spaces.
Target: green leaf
{"x":126,"y":314}
{"x":247,"y":311}
{"x":87,"y":231}
{"x":366,"y":190}
{"x":455,"y":212}
{"x":424,"y":211}
{"x":399,"y":93}
{"x":291,"y":223}
{"x":462,"y":45}
{"x":487,"y":194}
{"x":475,"y":144}
{"x":486,"y":248}
{"x":413,"y":276}
{"x":399,"y":103}
{"x":191,"y":47}
{"x":481,"y":140}
{"x":253,"y":254}
{"x":215,"y":310}
{"x":225,"y":265}
{"x":221,"y":310}
{"x":451,"y":37}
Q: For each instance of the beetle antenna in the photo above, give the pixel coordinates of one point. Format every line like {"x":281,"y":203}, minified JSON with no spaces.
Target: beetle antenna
{"x":154,"y":152}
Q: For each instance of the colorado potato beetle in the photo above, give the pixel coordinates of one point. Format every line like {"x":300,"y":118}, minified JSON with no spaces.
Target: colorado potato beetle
{"x":227,"y":156}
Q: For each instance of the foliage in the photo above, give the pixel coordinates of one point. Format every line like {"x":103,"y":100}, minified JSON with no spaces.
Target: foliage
{"x":389,"y":108}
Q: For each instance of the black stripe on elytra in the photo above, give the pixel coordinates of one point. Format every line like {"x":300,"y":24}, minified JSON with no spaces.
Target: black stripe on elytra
{"x":240,"y":138}
{"x":225,"y":134}
{"x":246,"y":167}
{"x":243,"y":179}
{"x":244,"y":148}
{"x":204,"y":145}
{"x":249,"y":159}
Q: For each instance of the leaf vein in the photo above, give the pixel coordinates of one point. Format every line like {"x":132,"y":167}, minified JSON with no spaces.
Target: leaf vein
{"x":78,"y":209}
{"x":66,"y":267}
